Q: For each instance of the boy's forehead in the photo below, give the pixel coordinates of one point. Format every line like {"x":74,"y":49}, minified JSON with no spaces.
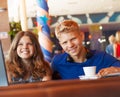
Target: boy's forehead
{"x":67,"y":34}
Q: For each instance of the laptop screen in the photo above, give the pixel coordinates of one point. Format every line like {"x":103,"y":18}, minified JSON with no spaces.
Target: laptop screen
{"x":3,"y":74}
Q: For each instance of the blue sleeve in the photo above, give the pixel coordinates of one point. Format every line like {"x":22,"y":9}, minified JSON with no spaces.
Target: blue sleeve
{"x":117,"y":63}
{"x":53,"y":63}
{"x":104,"y":60}
{"x":112,"y":60}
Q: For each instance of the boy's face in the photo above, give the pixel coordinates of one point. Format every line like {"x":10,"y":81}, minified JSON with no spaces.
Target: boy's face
{"x":71,"y":42}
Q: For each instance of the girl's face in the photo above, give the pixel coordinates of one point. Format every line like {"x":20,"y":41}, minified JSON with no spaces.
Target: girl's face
{"x":25,"y":48}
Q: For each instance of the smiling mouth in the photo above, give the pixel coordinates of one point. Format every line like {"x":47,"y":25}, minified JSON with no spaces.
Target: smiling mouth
{"x":72,"y":51}
{"x":25,"y":52}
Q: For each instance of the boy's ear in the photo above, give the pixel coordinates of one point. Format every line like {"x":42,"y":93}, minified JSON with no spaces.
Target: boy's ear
{"x":82,"y":36}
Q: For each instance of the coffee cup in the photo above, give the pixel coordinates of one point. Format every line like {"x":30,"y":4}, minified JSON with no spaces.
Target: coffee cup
{"x":89,"y":70}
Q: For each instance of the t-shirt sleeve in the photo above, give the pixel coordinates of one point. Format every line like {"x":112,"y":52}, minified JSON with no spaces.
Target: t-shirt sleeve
{"x":53,"y":63}
{"x":112,"y":60}
{"x":117,"y":63}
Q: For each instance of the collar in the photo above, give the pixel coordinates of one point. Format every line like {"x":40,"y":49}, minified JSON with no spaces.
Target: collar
{"x":70,"y":59}
{"x":89,"y":54}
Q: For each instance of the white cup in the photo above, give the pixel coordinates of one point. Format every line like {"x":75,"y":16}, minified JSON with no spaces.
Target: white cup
{"x":90,"y":71}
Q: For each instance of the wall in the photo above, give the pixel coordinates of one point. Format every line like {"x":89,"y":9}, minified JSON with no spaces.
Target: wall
{"x":4,"y":26}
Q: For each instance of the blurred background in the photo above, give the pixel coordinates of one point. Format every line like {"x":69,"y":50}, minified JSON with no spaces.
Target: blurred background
{"x":98,"y":19}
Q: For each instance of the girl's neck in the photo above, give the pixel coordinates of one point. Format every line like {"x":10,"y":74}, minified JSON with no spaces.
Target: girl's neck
{"x":26,"y":62}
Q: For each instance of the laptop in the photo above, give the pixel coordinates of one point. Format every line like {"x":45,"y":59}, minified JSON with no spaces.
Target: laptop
{"x":3,"y":73}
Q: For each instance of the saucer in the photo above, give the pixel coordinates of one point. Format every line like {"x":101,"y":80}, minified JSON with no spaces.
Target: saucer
{"x":83,"y":77}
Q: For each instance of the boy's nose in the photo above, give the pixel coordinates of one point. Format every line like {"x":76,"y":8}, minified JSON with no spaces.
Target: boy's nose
{"x":70,"y":44}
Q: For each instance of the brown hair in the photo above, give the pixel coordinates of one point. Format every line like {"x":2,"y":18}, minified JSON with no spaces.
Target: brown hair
{"x":39,"y":66}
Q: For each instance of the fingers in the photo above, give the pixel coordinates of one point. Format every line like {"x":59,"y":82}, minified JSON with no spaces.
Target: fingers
{"x":107,"y":71}
{"x":103,"y":72}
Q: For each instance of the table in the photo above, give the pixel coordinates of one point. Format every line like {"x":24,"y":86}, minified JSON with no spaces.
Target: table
{"x":104,"y":87}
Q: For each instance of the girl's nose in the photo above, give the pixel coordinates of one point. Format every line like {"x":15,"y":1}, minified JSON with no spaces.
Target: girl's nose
{"x":25,"y":46}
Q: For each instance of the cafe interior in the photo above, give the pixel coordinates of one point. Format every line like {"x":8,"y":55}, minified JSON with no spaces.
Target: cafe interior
{"x":97,"y":19}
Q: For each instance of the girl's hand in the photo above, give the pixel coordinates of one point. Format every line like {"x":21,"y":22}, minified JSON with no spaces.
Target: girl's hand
{"x":46,"y":78}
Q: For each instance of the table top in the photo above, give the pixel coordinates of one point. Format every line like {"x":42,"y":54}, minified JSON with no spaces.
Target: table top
{"x":103,"y":87}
